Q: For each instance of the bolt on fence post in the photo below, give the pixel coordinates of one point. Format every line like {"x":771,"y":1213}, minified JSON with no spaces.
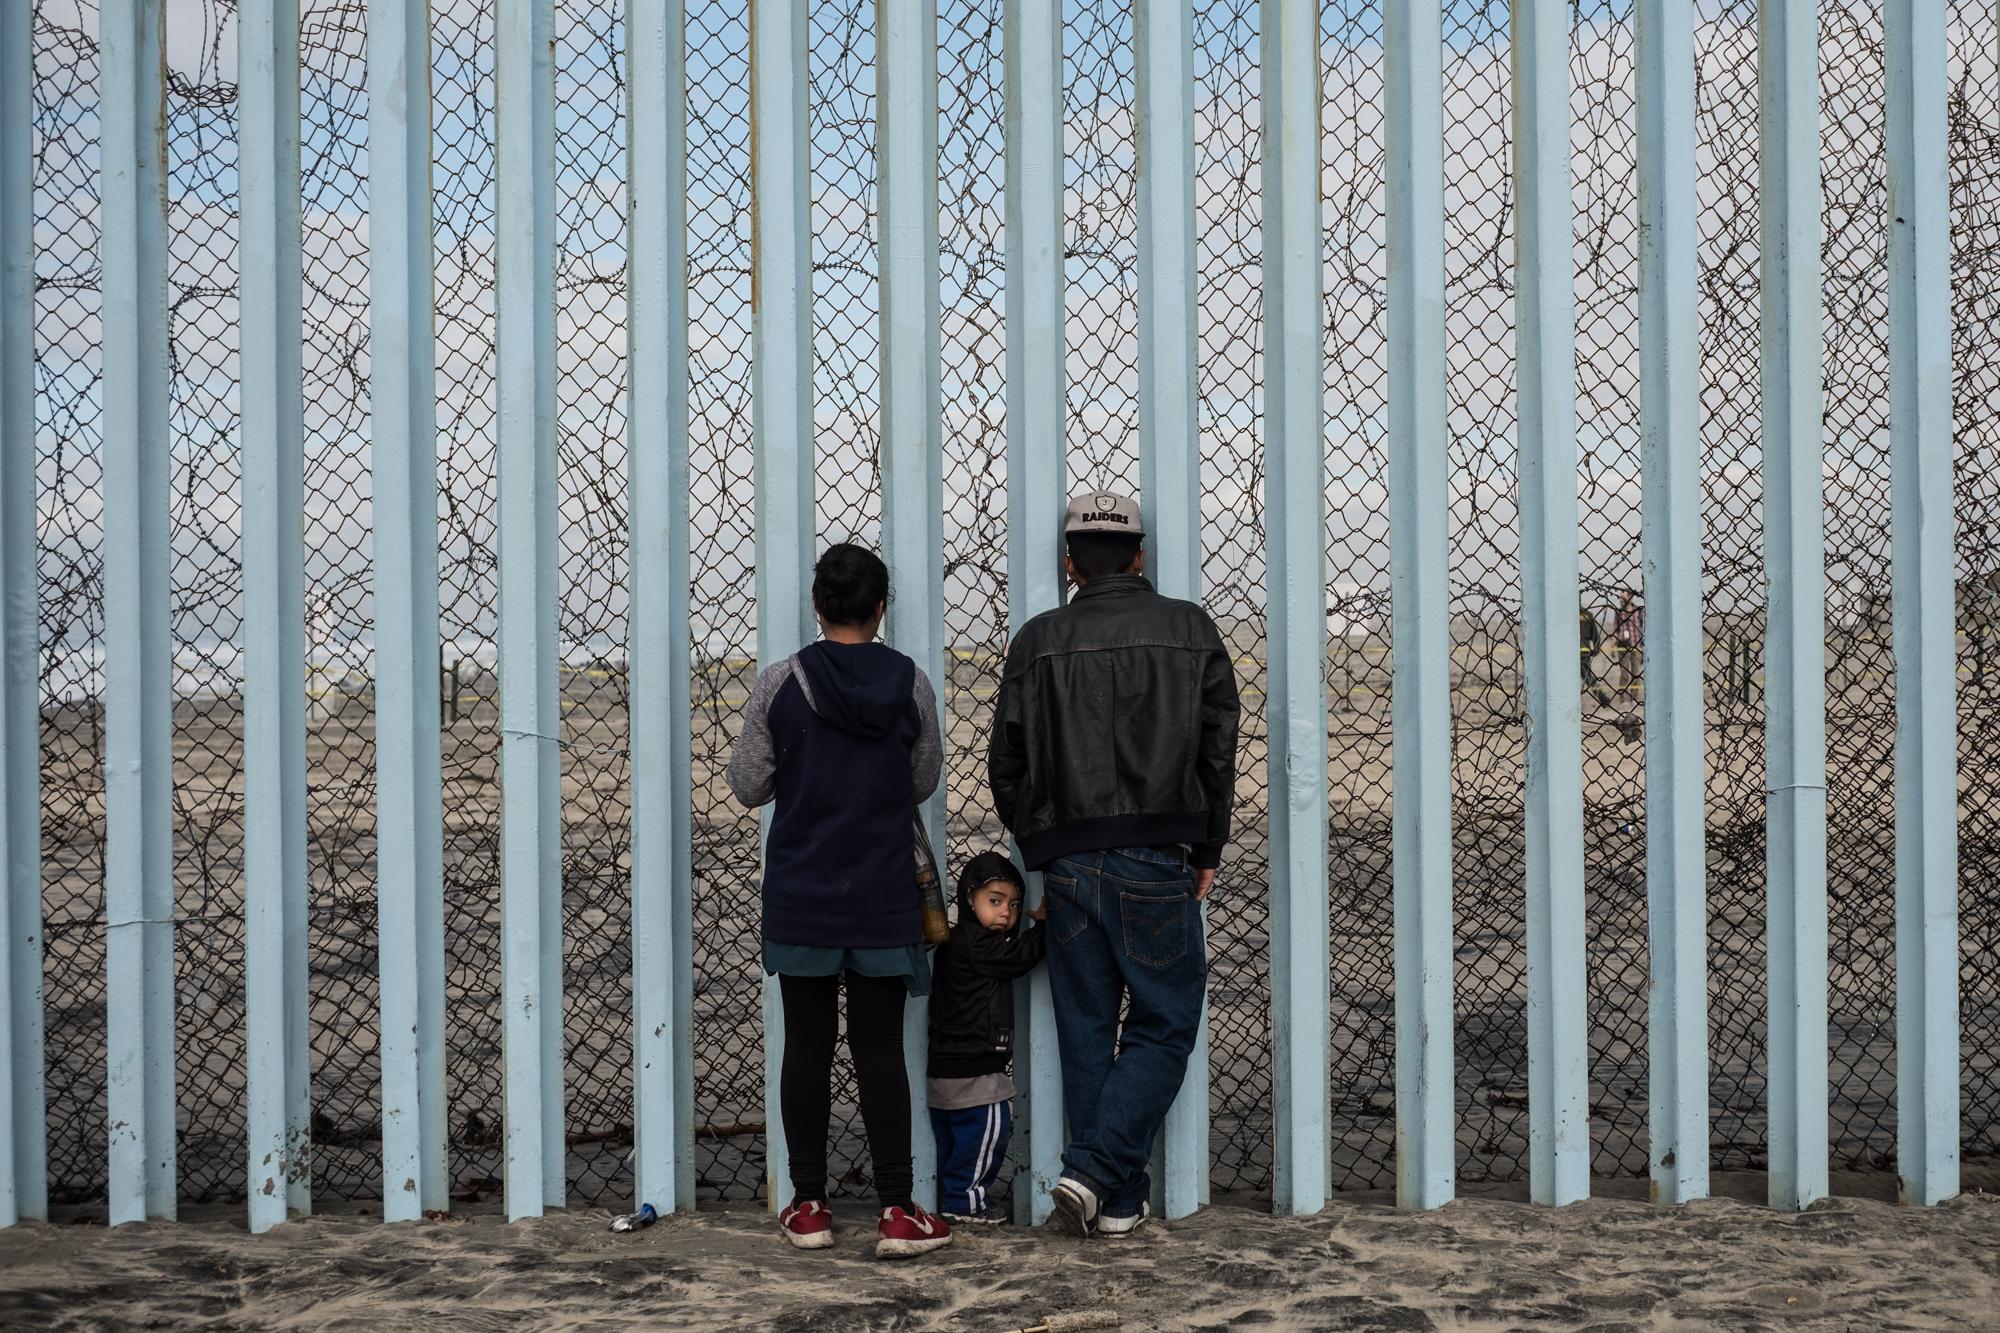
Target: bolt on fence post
{"x":912,"y":447}
{"x":530,"y":690}
{"x":1295,"y":525}
{"x":1420,"y":604}
{"x":409,"y":818}
{"x":23,"y":1135}
{"x":1169,"y":463}
{"x":660,"y":672}
{"x":1925,"y":607}
{"x":781,"y":393}
{"x":278,"y":1038}
{"x":1033,"y":34}
{"x":1670,"y":460}
{"x":1545,"y":315}
{"x":1794,"y":549}
{"x":138,"y":695}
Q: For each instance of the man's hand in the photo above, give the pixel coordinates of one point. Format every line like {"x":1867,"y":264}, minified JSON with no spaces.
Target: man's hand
{"x":1204,"y":880}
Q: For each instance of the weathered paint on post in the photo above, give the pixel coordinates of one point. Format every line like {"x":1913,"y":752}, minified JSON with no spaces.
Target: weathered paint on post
{"x":781,"y":390}
{"x":1545,"y":333}
{"x":138,"y":656}
{"x":1794,"y":550}
{"x":1419,"y":607}
{"x":23,"y":1136}
{"x":409,"y":819}
{"x":657,"y":480}
{"x":906,"y":176}
{"x":1169,"y":461}
{"x":278,"y":1039}
{"x":1036,"y":469}
{"x":1920,"y":424}
{"x":1295,"y":538}
{"x":530,"y":702}
{"x":1670,"y":517}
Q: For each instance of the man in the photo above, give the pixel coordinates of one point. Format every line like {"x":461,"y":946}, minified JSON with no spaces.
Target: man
{"x":1113,"y":763}
{"x":1628,"y":635}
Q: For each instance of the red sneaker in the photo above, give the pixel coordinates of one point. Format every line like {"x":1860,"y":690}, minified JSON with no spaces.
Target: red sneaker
{"x":911,"y":1231}
{"x":807,"y":1225}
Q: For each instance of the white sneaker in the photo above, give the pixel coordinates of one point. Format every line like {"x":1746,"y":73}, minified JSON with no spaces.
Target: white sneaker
{"x":1075,"y":1207}
{"x":1108,"y":1225}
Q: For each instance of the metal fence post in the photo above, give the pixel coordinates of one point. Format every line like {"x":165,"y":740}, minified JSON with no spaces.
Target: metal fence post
{"x":656,"y":367}
{"x":1295,"y":527}
{"x":530,"y":700}
{"x":781,"y":369}
{"x":912,"y":430}
{"x":274,"y":659}
{"x":1670,"y":437}
{"x":138,"y":694}
{"x":23,"y":1136}
{"x":1545,"y":323}
{"x":1032,"y":36}
{"x":409,"y":816}
{"x":1420,"y":605}
{"x":1169,"y":461}
{"x":1920,"y":391}
{"x":1795,"y":676}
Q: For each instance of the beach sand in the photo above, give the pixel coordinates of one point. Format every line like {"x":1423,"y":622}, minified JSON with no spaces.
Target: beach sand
{"x":1489,"y":1261}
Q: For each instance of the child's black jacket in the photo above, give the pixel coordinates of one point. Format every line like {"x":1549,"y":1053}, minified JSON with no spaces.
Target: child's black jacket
{"x":972,"y":981}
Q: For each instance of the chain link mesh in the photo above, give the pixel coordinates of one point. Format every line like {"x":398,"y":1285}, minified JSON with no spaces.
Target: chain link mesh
{"x":1101,"y":227}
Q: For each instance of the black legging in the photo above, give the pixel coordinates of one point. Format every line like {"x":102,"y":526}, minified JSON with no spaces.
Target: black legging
{"x":805,"y":1089}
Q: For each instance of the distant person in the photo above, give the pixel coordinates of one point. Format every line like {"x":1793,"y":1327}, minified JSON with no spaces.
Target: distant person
{"x":1589,"y":639}
{"x":843,"y":736}
{"x":1113,"y":763}
{"x":1628,"y":637}
{"x":969,"y":1089}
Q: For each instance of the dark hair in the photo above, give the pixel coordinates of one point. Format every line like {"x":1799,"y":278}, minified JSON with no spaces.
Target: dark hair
{"x":1098,"y":555}
{"x":849,"y":582}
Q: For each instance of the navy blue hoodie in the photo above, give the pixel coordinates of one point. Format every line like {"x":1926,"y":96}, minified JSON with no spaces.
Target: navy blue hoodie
{"x":844,"y":738}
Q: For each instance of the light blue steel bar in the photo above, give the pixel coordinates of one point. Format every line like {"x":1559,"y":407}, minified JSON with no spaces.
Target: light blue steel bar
{"x":138,"y":654}
{"x":1670,"y":514}
{"x":278,"y":1041}
{"x":1558,"y":1047}
{"x":1927,"y":970}
{"x":1170,"y":471}
{"x":408,"y":792}
{"x":1035,"y":495}
{"x":524,"y":307}
{"x":1295,"y":543}
{"x":23,"y":1154}
{"x":912,"y":434}
{"x":1419,"y":605}
{"x":1794,"y":661}
{"x":781,"y":388}
{"x":657,"y":623}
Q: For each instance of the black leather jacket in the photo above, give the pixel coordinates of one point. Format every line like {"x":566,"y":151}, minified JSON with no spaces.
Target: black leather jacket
{"x":1116,"y":727}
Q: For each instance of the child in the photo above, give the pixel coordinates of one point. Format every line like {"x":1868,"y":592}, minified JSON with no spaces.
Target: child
{"x":972,"y":1033}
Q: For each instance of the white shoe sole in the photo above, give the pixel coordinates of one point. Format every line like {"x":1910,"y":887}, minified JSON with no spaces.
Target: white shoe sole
{"x":909,"y":1249}
{"x":1117,"y":1227}
{"x":817,"y":1241}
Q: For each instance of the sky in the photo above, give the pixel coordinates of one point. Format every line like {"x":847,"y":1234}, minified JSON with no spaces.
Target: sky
{"x":1102,"y":330}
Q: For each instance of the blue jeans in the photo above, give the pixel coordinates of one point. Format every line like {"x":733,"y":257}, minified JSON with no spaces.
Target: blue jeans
{"x":1122,"y":922}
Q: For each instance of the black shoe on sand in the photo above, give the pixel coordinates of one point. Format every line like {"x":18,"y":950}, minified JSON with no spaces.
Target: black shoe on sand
{"x":1075,"y":1209}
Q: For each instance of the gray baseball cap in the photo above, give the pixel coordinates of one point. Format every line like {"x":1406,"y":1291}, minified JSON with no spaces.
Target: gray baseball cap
{"x":1103,"y":511}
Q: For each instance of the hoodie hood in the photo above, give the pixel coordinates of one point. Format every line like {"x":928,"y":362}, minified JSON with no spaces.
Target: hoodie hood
{"x":861,"y":688}
{"x":984,"y":869}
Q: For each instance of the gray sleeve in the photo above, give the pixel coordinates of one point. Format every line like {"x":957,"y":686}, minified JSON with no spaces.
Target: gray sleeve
{"x":753,"y":766}
{"x":927,"y":759}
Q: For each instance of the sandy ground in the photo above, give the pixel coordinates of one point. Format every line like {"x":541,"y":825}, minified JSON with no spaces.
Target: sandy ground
{"x":1490,"y":1262}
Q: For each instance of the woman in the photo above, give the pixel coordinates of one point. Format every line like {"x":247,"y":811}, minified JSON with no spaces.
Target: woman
{"x":843,"y":736}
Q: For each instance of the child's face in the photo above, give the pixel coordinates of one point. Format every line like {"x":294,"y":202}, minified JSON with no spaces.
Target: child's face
{"x":996,"y":903}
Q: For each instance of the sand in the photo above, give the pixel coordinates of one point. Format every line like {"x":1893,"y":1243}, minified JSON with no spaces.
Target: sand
{"x":1494,"y":1262}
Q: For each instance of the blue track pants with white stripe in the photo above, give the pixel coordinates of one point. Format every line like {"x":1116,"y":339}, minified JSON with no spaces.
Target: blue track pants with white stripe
{"x":971,"y":1145}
